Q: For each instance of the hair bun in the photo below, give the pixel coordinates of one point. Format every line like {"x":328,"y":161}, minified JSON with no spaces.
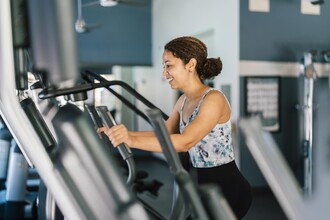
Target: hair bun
{"x":211,"y":68}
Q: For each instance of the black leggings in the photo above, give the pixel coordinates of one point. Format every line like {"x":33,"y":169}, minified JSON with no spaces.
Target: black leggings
{"x":232,"y":183}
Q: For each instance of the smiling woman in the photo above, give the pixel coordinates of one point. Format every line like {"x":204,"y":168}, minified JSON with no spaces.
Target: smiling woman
{"x":200,"y":123}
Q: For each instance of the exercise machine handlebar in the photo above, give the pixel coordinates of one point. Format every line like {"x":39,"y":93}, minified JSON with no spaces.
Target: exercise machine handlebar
{"x":124,"y":151}
{"x":121,"y":98}
{"x":39,"y":124}
{"x":182,"y":177}
{"x":127,"y":87}
{"x":98,"y":123}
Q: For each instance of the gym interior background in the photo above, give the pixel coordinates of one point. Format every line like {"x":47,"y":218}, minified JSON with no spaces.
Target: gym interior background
{"x":256,"y":40}
{"x":251,"y":43}
{"x":266,"y":41}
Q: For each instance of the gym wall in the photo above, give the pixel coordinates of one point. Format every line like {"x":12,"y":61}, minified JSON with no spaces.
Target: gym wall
{"x":120,"y":35}
{"x":272,"y":44}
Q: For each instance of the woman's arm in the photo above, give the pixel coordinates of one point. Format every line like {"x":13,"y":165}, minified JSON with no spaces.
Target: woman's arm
{"x":213,"y":109}
{"x":172,"y":123}
{"x":144,"y":140}
{"x":142,"y":133}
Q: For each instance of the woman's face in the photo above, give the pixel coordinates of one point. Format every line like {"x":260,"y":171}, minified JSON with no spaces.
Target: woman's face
{"x":174,"y":70}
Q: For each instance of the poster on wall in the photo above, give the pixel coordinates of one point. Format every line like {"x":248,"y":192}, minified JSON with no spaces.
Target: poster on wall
{"x":262,"y":100}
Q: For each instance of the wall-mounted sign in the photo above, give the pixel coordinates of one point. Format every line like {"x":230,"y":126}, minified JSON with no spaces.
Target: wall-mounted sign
{"x":262,"y":100}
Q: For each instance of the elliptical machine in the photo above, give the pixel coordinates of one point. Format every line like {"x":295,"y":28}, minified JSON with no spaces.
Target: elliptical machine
{"x":81,"y":176}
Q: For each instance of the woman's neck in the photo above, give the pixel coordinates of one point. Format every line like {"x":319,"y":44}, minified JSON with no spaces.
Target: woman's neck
{"x":195,"y":91}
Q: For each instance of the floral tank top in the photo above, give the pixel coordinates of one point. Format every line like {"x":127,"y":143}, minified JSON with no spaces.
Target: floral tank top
{"x":216,"y":147}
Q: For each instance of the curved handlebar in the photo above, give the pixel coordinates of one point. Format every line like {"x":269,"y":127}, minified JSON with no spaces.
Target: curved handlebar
{"x":124,"y":151}
{"x":127,"y":87}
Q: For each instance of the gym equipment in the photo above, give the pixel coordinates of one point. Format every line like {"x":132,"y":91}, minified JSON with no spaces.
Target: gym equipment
{"x":17,"y":176}
{"x":274,"y":167}
{"x":39,"y":124}
{"x":177,"y":209}
{"x":220,"y":210}
{"x":137,"y":184}
{"x":75,"y":187}
{"x":280,"y":177}
{"x":89,"y":76}
{"x":19,"y":182}
{"x":124,"y":151}
{"x":5,"y":143}
{"x":55,"y":155}
{"x":78,"y":171}
{"x":309,"y":77}
{"x":18,"y":205}
{"x":100,"y":181}
{"x":46,"y":208}
{"x":18,"y":171}
{"x":326,"y":57}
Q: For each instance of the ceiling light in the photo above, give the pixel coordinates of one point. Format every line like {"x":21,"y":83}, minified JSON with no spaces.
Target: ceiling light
{"x":108,"y":3}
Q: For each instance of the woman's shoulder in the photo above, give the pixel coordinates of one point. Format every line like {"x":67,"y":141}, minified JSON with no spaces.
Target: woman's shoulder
{"x":216,"y":95}
{"x":216,"y":101}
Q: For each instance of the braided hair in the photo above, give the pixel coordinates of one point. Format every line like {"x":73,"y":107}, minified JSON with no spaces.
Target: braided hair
{"x":187,"y":47}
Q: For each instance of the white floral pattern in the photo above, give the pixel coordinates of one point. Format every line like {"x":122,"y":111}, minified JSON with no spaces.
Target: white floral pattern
{"x":216,"y":147}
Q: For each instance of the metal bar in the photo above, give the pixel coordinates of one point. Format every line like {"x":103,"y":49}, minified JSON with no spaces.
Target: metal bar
{"x":274,"y":168}
{"x":124,"y":151}
{"x":182,"y":177}
{"x":18,"y":123}
{"x":90,"y":172}
{"x":127,"y":88}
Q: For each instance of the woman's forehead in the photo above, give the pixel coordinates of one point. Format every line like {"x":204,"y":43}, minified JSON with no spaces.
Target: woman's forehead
{"x":168,"y":56}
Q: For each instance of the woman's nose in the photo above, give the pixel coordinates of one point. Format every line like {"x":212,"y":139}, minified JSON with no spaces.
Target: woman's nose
{"x":165,"y":71}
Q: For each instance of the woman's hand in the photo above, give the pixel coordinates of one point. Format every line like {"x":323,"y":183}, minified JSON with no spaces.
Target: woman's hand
{"x":117,"y":134}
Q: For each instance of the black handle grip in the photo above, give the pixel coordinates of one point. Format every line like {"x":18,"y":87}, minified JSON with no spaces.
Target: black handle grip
{"x":109,"y":121}
{"x":98,"y":122}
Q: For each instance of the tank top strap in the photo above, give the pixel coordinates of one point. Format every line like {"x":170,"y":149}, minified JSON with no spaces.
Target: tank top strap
{"x":182,"y":104}
{"x":203,"y":97}
{"x":199,"y":103}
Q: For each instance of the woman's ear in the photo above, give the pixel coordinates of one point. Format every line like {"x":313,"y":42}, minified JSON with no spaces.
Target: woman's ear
{"x":191,"y":65}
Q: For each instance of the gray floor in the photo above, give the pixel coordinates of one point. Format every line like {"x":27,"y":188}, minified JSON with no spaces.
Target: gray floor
{"x":264,"y":205}
{"x":157,"y":170}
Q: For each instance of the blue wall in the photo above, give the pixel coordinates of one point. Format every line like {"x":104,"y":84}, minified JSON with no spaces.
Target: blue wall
{"x":122,"y":38}
{"x":284,"y":33}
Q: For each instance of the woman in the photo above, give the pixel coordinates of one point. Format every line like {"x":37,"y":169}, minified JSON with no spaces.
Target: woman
{"x":199,"y":124}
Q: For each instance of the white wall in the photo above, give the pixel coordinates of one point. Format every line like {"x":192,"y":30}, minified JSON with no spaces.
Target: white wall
{"x":215,"y":21}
